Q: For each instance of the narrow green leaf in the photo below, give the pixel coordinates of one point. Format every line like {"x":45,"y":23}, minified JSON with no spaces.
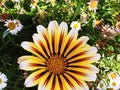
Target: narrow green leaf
{"x":5,"y":33}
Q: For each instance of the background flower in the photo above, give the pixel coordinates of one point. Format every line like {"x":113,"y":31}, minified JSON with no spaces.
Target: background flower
{"x":14,"y":26}
{"x":3,"y":81}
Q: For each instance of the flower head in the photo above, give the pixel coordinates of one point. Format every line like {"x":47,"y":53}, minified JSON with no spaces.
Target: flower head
{"x":115,"y":84}
{"x":101,"y":85}
{"x":52,"y":2}
{"x":93,"y":5}
{"x":75,"y":25}
{"x":14,"y":26}
{"x":113,"y":76}
{"x":61,"y":60}
{"x":33,"y":3}
{"x":3,"y":80}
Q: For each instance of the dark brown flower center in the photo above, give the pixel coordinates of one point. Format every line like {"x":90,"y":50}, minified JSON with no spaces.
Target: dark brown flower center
{"x":56,"y":65}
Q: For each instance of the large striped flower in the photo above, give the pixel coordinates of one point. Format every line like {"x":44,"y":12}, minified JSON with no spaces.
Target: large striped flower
{"x":60,"y":60}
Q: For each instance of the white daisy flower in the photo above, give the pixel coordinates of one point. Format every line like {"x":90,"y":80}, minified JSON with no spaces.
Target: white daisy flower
{"x":14,"y":26}
{"x":115,"y":84}
{"x":75,"y":25}
{"x":3,"y":80}
{"x":33,"y":3}
{"x":113,"y":76}
{"x":93,"y":5}
{"x":101,"y":85}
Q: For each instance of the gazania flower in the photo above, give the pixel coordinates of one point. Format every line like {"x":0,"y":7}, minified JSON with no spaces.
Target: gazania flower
{"x":61,"y":61}
{"x":33,"y":3}
{"x":101,"y":85}
{"x":14,"y":26}
{"x":75,"y":25}
{"x":3,"y":80}
{"x":93,"y":5}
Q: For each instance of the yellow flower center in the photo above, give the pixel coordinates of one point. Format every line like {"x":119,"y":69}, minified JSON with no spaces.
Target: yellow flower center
{"x":101,"y":85}
{"x":114,"y":83}
{"x":56,"y":65}
{"x":93,"y":4}
{"x":118,"y":26}
{"x":0,"y":80}
{"x":34,"y":3}
{"x":76,"y":26}
{"x":52,"y":2}
{"x":113,"y":75}
{"x":11,"y":25}
{"x":97,"y":22}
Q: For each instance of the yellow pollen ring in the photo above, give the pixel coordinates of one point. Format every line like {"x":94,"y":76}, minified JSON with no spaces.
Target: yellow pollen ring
{"x":76,"y":26}
{"x":93,"y":4}
{"x":113,"y":75}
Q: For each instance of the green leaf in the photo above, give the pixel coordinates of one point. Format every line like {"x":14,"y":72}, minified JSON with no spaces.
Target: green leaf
{"x":5,"y":33}
{"x":77,"y":10}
